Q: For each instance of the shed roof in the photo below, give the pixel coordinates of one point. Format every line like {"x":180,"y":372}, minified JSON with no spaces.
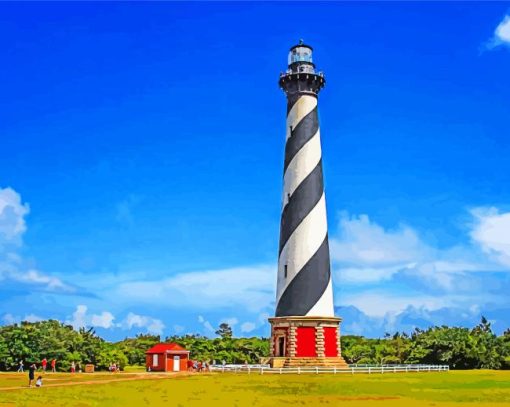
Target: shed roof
{"x":166,"y":347}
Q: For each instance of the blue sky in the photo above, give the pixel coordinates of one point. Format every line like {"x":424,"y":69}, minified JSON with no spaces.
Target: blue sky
{"x":142,"y":149}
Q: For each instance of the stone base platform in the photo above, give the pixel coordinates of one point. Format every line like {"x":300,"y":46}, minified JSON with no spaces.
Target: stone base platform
{"x":283,"y":362}
{"x":306,"y":341}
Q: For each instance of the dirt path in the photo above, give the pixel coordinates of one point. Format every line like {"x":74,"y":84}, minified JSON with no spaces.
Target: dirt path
{"x":88,"y":382}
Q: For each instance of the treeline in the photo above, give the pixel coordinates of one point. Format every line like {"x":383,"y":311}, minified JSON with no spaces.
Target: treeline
{"x":32,"y":342}
{"x":460,"y":348}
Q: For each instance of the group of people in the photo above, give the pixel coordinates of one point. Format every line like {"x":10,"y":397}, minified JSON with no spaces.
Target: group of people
{"x":44,"y":365}
{"x":196,"y":366}
{"x":33,"y":367}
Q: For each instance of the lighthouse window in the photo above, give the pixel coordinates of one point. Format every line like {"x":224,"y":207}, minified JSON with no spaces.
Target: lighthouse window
{"x":300,"y":54}
{"x":285,"y":271}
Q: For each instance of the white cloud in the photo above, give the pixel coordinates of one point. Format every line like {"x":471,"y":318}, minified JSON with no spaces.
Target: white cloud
{"x":365,"y":252}
{"x":369,"y":274}
{"x":50,"y":282}
{"x":361,"y":241}
{"x":492,"y":232}
{"x":12,"y":227}
{"x":81,"y":319}
{"x":382,"y":271}
{"x":103,"y":320}
{"x":247,"y":327}
{"x":382,"y":304}
{"x":12,"y":217}
{"x":249,"y":287}
{"x":207,"y":325}
{"x":152,"y":325}
{"x":501,"y":34}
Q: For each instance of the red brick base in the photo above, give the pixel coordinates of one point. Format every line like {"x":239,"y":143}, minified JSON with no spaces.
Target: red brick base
{"x":306,"y":341}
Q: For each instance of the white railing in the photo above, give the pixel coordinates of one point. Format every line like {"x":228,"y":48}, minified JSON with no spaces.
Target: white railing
{"x":264,"y":369}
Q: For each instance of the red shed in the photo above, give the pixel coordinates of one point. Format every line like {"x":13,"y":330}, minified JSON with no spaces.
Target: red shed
{"x":167,"y":357}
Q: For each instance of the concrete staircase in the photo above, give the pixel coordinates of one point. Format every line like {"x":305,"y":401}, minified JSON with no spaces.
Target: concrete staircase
{"x":310,"y":362}
{"x":338,"y":362}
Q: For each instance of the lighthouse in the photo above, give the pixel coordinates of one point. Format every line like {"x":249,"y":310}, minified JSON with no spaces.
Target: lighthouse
{"x":304,"y":330}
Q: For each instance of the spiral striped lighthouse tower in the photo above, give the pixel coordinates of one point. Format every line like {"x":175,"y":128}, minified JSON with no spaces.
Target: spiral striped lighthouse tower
{"x":304,"y":330}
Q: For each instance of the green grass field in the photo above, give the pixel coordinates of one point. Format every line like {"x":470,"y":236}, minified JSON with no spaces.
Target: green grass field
{"x":475,"y":388}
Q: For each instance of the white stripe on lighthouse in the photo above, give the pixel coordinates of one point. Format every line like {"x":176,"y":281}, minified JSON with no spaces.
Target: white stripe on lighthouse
{"x":302,"y":245}
{"x":304,"y":105}
{"x":301,"y":165}
{"x":324,"y":307}
{"x":304,"y":279}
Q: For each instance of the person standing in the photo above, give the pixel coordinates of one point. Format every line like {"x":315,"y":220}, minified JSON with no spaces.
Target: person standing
{"x":54,"y":365}
{"x":31,"y":374}
{"x":44,"y":362}
{"x":20,"y":368}
{"x":73,"y":367}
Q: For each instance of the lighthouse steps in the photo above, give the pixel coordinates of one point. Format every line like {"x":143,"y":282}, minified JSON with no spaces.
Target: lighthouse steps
{"x":338,"y":362}
{"x":310,"y":362}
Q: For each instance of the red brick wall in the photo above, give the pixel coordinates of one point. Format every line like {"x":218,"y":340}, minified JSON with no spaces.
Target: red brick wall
{"x":305,"y":341}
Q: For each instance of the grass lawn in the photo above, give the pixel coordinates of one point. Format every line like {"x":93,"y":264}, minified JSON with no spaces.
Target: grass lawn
{"x":477,"y":388}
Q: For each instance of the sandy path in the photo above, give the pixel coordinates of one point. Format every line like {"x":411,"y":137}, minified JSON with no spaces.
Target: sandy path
{"x":88,"y":382}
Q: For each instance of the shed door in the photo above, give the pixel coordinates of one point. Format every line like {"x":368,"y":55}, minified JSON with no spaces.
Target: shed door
{"x":177,"y":363}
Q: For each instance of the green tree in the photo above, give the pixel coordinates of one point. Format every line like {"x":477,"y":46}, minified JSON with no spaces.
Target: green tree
{"x":225,"y":331}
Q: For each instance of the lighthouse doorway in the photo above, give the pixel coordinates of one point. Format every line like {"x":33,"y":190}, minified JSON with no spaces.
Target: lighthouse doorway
{"x":281,"y":346}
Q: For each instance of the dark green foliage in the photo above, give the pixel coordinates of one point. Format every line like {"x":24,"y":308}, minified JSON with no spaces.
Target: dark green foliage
{"x":360,"y":350}
{"x":135,"y":348}
{"x":228,"y":349}
{"x":460,"y":348}
{"x":32,"y":342}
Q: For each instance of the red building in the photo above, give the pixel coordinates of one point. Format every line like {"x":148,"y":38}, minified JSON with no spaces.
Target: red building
{"x":166,"y":357}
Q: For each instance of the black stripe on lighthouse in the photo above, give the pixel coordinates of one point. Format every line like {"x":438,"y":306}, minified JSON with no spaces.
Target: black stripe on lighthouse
{"x":308,"y":286}
{"x":300,"y":135}
{"x":300,"y":204}
{"x":304,"y":270}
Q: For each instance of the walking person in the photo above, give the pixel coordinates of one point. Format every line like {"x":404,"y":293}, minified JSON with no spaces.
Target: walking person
{"x":20,"y":368}
{"x":53,"y":365}
{"x":31,"y":374}
{"x":44,"y":362}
